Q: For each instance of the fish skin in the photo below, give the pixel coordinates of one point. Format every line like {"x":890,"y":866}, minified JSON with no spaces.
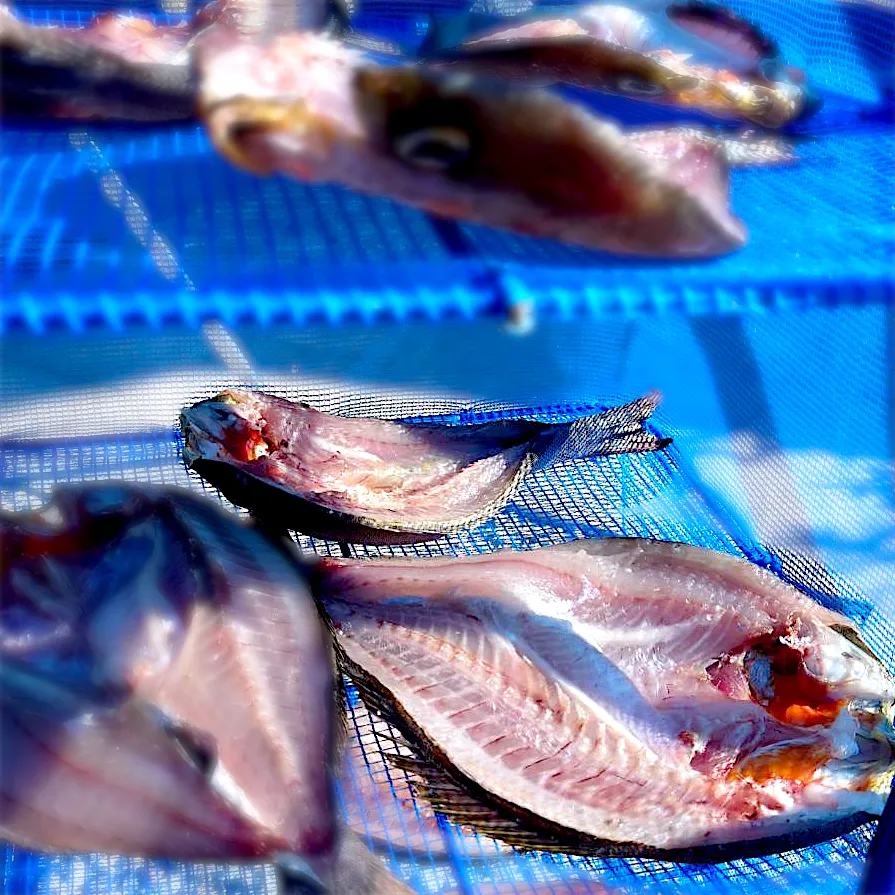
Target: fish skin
{"x":117,"y":68}
{"x":122,"y":67}
{"x":689,"y":55}
{"x":377,"y":481}
{"x":597,"y":726}
{"x":320,"y":111}
{"x":188,"y":697}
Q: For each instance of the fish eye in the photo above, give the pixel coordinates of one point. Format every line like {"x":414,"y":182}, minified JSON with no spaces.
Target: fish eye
{"x":198,"y":754}
{"x":639,"y":87}
{"x":434,"y":148}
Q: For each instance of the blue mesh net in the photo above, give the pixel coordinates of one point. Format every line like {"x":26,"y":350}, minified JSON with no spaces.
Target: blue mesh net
{"x":202,"y":239}
{"x":117,"y":244}
{"x":783,"y":455}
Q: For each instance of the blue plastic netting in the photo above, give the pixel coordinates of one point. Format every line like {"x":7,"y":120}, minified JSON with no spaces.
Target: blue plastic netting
{"x":202,"y":239}
{"x":784,"y":422}
{"x":784,"y":439}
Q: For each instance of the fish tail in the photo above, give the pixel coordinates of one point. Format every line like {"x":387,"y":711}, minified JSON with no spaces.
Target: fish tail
{"x":619,"y":430}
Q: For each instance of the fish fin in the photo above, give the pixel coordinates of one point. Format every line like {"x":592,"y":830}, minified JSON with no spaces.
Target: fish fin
{"x":337,"y":19}
{"x":722,"y":27}
{"x":431,"y":783}
{"x":372,"y":44}
{"x":355,"y":870}
{"x":619,"y":430}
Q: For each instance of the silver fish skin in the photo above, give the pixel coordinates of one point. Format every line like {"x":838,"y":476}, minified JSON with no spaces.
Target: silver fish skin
{"x":473,"y":149}
{"x":187,"y":694}
{"x":620,"y":697}
{"x":381,"y":481}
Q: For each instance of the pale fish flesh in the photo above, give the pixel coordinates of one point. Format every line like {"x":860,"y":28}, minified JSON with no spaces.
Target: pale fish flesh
{"x":168,"y":689}
{"x":621,"y":697}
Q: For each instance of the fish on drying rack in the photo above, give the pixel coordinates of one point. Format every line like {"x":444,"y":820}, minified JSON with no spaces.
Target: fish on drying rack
{"x":168,"y":690}
{"x":689,"y":55}
{"x":520,"y":159}
{"x":619,"y":697}
{"x":381,"y":481}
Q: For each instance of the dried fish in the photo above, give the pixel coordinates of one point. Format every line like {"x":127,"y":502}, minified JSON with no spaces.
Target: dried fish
{"x":381,"y":481}
{"x":691,"y":55}
{"x":620,"y":697}
{"x":185,"y":706}
{"x":521,"y":159}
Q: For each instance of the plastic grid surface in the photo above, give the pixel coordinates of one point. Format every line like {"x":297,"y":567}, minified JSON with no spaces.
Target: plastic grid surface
{"x":104,"y":225}
{"x":646,"y":495}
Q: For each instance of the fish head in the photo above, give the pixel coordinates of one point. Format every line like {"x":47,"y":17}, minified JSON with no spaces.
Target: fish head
{"x":838,"y":657}
{"x":823,"y":678}
{"x":224,"y":426}
{"x":813,"y":666}
{"x":463,"y":147}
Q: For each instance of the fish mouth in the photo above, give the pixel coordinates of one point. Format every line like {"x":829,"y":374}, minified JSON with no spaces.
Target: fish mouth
{"x":696,"y":164}
{"x":216,"y":427}
{"x":239,"y":128}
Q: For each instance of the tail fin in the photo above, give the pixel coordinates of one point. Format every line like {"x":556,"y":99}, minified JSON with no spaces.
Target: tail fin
{"x":619,"y":430}
{"x":359,"y":872}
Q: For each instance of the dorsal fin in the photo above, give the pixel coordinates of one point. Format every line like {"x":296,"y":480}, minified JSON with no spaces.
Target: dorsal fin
{"x":723,"y":28}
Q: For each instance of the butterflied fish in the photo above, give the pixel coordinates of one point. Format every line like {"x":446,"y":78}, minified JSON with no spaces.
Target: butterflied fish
{"x":620,"y":697}
{"x":381,"y":481}
{"x":517,"y":158}
{"x":691,"y":55}
{"x":126,"y":67}
{"x":185,"y":706}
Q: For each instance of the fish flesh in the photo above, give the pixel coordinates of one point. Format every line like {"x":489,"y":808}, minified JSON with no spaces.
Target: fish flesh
{"x":382,"y":481}
{"x":168,"y":688}
{"x":477,"y":150}
{"x":619,"y":697}
{"x":690,"y":55}
{"x":123,"y":67}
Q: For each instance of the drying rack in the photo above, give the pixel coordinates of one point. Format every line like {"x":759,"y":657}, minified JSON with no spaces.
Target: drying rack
{"x":140,"y":273}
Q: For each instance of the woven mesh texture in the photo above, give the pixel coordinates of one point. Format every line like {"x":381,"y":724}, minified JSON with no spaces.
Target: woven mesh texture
{"x":783,"y":454}
{"x":201,"y":239}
